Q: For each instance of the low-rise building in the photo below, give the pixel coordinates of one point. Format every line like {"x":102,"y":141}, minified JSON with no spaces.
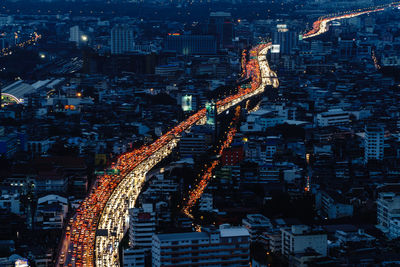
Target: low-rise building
{"x":51,"y":211}
{"x":256,"y":224}
{"x":388,"y":213}
{"x":333,"y":117}
{"x":142,"y":226}
{"x":227,"y":246}
{"x":332,"y":205}
{"x":299,"y":238}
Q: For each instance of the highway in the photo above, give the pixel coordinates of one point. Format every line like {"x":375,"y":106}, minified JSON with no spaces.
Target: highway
{"x":196,"y":193}
{"x":93,"y":234}
{"x":320,"y":26}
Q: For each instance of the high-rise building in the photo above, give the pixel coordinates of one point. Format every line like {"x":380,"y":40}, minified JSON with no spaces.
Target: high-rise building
{"x":373,"y":143}
{"x":227,"y":246}
{"x":122,"y":39}
{"x":220,"y":25}
{"x":74,"y":34}
{"x":191,"y":44}
{"x":142,"y":226}
{"x":285,"y":38}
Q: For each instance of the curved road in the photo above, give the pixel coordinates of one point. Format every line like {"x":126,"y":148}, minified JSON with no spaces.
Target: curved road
{"x":93,"y":234}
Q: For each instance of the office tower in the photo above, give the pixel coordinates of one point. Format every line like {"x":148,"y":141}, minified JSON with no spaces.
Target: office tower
{"x":373,"y":143}
{"x":122,"y":39}
{"x":226,"y":246}
{"x":142,"y":225}
{"x":286,"y":39}
{"x":220,"y":25}
{"x":191,"y":44}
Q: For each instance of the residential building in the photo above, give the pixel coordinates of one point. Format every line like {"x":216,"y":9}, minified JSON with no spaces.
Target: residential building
{"x":332,"y":205}
{"x":122,"y":39}
{"x":373,"y":143}
{"x":333,"y":117}
{"x":193,"y":144}
{"x":388,"y":213}
{"x":298,"y":238}
{"x":206,"y":202}
{"x":256,"y":224}
{"x":11,"y":203}
{"x":51,"y":211}
{"x":226,"y":246}
{"x":142,"y":226}
{"x":134,"y":257}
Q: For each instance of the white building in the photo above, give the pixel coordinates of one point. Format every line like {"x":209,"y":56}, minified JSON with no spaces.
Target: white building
{"x":388,"y":213}
{"x":300,"y":237}
{"x":227,"y":246}
{"x":373,"y":143}
{"x":122,"y":39}
{"x":256,"y":224}
{"x":333,"y":117}
{"x":142,"y":226}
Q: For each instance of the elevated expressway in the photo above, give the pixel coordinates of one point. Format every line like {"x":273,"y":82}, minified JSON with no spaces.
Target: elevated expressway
{"x":321,"y":25}
{"x":93,"y":234}
{"x":115,"y":215}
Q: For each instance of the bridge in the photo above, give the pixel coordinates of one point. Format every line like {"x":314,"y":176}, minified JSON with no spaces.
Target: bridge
{"x":93,"y":234}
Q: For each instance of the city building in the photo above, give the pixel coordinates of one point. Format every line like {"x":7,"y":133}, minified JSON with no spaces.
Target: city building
{"x":332,"y":205}
{"x":51,"y":212}
{"x":192,"y":144}
{"x":373,"y":143}
{"x":11,"y":203}
{"x":285,"y":38}
{"x":226,"y":246}
{"x":76,"y":35}
{"x":122,"y":39}
{"x":206,"y":202}
{"x":134,"y":257}
{"x":388,"y":213}
{"x":298,"y":238}
{"x":220,"y":25}
{"x":142,"y":226}
{"x":233,"y":155}
{"x":333,"y":117}
{"x":256,"y":224}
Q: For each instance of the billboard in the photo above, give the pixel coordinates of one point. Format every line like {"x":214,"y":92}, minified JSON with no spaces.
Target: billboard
{"x":275,"y":49}
{"x":186,"y":103}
